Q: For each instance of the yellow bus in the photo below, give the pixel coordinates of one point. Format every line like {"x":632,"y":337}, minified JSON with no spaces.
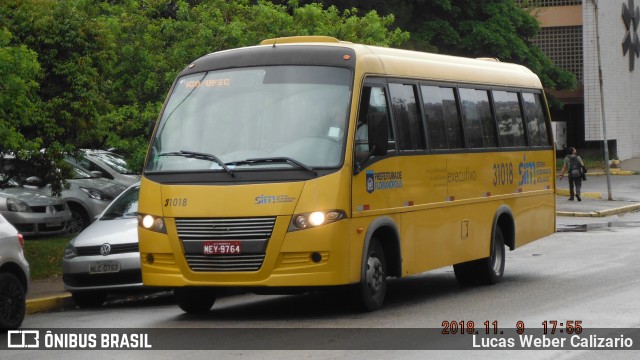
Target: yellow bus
{"x":309,"y":162}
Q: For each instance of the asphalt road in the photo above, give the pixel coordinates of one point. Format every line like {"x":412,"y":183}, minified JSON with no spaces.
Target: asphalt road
{"x":591,"y":277}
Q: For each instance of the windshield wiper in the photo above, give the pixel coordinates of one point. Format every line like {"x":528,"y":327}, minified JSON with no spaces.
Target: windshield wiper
{"x":199,"y":155}
{"x":276,"y":160}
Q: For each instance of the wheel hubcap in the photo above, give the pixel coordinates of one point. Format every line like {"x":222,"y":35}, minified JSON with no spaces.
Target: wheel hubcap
{"x":497,"y":257}
{"x":374,"y":275}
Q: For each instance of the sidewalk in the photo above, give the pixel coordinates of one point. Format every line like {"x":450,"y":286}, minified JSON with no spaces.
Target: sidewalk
{"x":49,"y":294}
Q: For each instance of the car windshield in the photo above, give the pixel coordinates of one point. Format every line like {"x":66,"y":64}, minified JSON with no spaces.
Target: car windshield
{"x":6,"y":182}
{"x":261,"y":118}
{"x":114,"y":161}
{"x":125,"y":206}
{"x":80,"y":173}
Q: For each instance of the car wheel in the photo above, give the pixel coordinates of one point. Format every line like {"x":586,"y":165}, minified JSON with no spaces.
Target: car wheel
{"x":195,"y":300}
{"x":79,"y":219}
{"x":89,"y":299}
{"x":12,"y":302}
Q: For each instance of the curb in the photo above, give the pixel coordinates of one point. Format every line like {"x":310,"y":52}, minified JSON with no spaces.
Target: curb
{"x":612,"y":172}
{"x":49,"y":303}
{"x":588,"y":195}
{"x":601,"y":213}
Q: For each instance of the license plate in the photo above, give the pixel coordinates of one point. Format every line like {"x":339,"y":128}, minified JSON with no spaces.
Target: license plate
{"x":222,"y":247}
{"x":104,"y":267}
{"x":56,"y":221}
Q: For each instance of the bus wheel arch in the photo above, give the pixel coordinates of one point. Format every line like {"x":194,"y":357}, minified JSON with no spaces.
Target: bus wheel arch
{"x":489,"y":270}
{"x":385,"y":230}
{"x":380,"y":259}
{"x":503,"y":219}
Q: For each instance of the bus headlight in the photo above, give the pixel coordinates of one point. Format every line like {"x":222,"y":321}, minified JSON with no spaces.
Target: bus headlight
{"x":314,"y":219}
{"x":151,"y":222}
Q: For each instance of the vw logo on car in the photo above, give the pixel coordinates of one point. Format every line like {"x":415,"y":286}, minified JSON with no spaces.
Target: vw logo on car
{"x":105,"y":249}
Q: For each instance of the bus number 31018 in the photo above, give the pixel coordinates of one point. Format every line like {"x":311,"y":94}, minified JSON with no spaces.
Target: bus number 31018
{"x":502,"y":174}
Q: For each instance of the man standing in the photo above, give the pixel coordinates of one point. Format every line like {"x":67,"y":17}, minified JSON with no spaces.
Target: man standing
{"x":574,"y":166}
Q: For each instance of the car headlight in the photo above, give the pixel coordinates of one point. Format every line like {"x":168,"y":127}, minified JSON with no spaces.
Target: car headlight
{"x":70,"y":251}
{"x":151,"y":222}
{"x":18,"y":205}
{"x":96,"y":194}
{"x":316,"y":218}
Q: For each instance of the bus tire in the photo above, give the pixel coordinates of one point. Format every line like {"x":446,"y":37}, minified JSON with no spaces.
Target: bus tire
{"x":465,"y":273}
{"x":492,"y":267}
{"x":195,"y":300}
{"x":373,"y":285}
{"x":486,"y":271}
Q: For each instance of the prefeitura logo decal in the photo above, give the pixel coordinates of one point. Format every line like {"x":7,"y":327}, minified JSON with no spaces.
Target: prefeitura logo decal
{"x":383,"y":180}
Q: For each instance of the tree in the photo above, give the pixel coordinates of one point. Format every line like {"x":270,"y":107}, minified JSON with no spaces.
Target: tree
{"x":499,"y":29}
{"x":103,"y":68}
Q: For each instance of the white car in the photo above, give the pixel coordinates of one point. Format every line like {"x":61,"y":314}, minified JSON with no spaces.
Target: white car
{"x":14,"y":277}
{"x":108,"y":165}
{"x":87,"y":196}
{"x":33,"y":212}
{"x":104,"y":258}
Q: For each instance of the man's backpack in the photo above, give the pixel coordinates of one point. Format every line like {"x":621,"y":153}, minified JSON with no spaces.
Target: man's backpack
{"x":575,"y":170}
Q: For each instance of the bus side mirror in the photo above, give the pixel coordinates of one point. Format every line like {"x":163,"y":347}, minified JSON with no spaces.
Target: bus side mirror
{"x":376,"y":142}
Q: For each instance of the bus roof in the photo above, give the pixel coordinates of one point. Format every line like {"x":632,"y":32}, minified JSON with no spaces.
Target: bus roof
{"x":423,"y":65}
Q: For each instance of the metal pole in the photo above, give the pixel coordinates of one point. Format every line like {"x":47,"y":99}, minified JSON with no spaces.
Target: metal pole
{"x":604,"y":123}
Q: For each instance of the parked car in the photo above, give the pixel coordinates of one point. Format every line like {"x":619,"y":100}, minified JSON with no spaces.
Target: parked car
{"x":14,"y":277}
{"x":104,"y":258}
{"x":87,"y":196}
{"x":107,"y":164}
{"x":33,"y":212}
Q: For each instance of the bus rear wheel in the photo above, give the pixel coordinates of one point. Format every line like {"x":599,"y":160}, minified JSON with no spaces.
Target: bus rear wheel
{"x":195,"y":300}
{"x":486,"y":271}
{"x":373,"y":285}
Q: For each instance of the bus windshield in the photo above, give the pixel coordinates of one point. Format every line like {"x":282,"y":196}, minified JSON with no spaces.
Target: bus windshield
{"x":258,"y":118}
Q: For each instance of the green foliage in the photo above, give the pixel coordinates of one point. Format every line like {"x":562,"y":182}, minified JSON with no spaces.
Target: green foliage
{"x":103,"y":68}
{"x":19,"y":69}
{"x":94,"y":74}
{"x":500,"y":29}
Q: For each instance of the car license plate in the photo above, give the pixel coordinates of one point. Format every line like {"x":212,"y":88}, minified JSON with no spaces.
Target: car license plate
{"x":222,"y":247}
{"x":55,"y":221}
{"x":103,"y":267}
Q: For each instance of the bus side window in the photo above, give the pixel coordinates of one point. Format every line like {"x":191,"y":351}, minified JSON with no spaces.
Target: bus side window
{"x":472,"y":124}
{"x":510,"y":128}
{"x":435,"y":117}
{"x":373,"y":110}
{"x":479,"y":124}
{"x":535,"y":119}
{"x":407,"y":118}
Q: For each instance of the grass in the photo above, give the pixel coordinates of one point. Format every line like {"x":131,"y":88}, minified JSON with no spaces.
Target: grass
{"x":45,"y":255}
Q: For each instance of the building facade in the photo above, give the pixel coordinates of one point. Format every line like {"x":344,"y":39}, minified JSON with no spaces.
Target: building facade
{"x":568,"y":36}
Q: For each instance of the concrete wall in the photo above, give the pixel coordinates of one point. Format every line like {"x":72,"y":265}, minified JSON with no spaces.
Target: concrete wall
{"x":621,"y":86}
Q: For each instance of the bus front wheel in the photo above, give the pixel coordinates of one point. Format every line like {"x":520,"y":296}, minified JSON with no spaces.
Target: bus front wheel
{"x":486,"y":271}
{"x":195,"y":300}
{"x":373,"y":285}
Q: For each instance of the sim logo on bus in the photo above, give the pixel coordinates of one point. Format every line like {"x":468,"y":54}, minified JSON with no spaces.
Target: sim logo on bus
{"x":528,"y":171}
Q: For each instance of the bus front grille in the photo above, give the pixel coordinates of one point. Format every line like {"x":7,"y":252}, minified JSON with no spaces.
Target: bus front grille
{"x":220,"y":263}
{"x":252,"y":233}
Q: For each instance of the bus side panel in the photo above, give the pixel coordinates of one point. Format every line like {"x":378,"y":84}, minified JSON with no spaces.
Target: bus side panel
{"x":445,"y":204}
